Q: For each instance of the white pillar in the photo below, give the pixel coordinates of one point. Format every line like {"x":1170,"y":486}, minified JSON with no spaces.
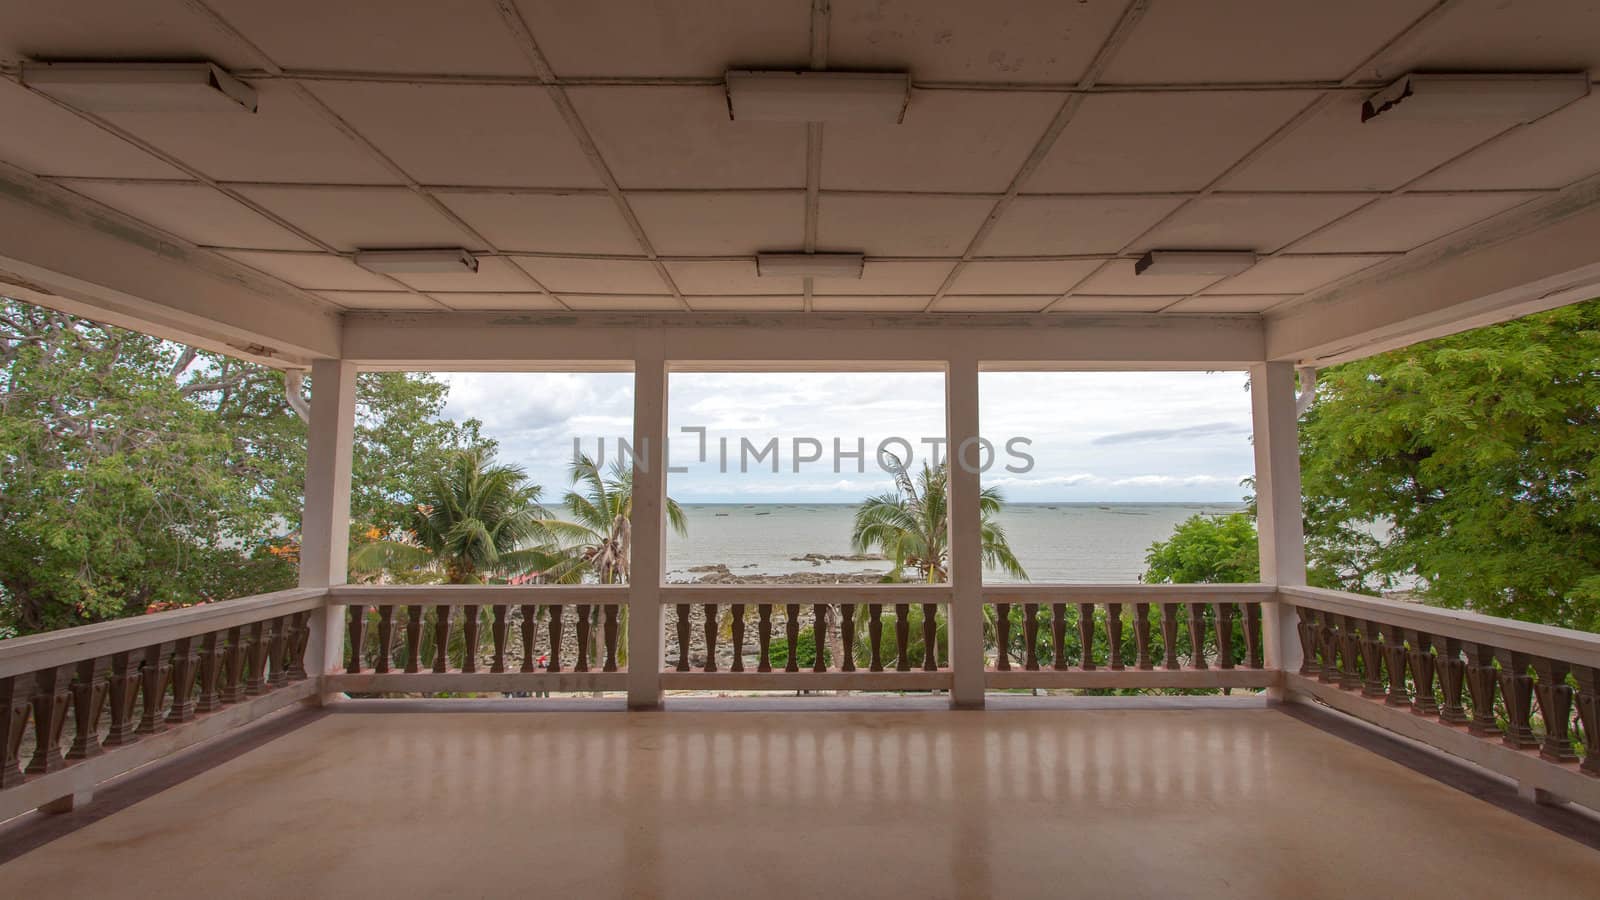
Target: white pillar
{"x":965,"y":626}
{"x":1278,"y":518}
{"x":646,"y":567}
{"x":325,"y":518}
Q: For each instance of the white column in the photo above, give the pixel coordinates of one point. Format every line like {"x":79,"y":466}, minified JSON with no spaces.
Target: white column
{"x":646,"y":567}
{"x":965,"y":625}
{"x":325,"y":518}
{"x":1278,"y":519}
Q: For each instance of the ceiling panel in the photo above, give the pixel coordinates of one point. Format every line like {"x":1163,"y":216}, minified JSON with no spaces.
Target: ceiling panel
{"x":875,"y":303}
{"x":1490,"y":35}
{"x":1160,"y":142}
{"x":642,"y":38}
{"x":1230,"y":303}
{"x":1401,"y":223}
{"x":681,"y":137}
{"x":620,"y":302}
{"x":465,"y":134}
{"x":949,"y":141}
{"x":993,"y":303}
{"x":1334,"y":150}
{"x":1042,"y":226}
{"x":1550,"y":153}
{"x":1259,"y":222}
{"x":545,"y":223}
{"x":506,"y":300}
{"x":1180,"y":41}
{"x":899,"y":225}
{"x":596,"y":276}
{"x":58,"y":142}
{"x":1295,"y":274}
{"x":1112,"y":303}
{"x":721,"y":224}
{"x":728,"y":278}
{"x":999,"y":40}
{"x":495,"y":275}
{"x":1118,"y":278}
{"x":892,"y":277}
{"x":100,"y":29}
{"x":736,"y":304}
{"x":313,"y":271}
{"x":287,"y":139}
{"x":195,"y":213}
{"x":1022,"y":277}
{"x":379,"y":299}
{"x":378,"y":35}
{"x":363,"y":218}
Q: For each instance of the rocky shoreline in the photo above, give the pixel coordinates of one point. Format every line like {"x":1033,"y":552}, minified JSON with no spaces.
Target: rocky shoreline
{"x":721,"y":574}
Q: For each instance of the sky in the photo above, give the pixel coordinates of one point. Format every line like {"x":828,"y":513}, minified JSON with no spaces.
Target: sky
{"x":1057,"y":436}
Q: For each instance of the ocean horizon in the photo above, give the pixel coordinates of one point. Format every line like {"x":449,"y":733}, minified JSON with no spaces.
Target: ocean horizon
{"x":1074,"y":541}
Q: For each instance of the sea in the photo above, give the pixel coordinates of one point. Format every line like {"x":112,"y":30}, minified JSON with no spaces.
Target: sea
{"x":1073,"y":542}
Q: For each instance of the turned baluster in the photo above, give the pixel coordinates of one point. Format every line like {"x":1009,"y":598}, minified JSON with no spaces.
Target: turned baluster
{"x":1371,"y":643}
{"x":357,"y":626}
{"x":1588,"y":679}
{"x":530,"y":633}
{"x":1141,"y":635}
{"x":553,"y":628}
{"x":122,"y":694}
{"x":52,"y":691}
{"x":1307,"y":630}
{"x":819,"y":632}
{"x":255,"y":681}
{"x":1223,"y":613}
{"x":185,"y":665}
{"x":1328,"y":638}
{"x":499,"y":629}
{"x":683,"y":637}
{"x":763,"y":637}
{"x":1169,"y":636}
{"x":1394,"y":664}
{"x":1423,"y":666}
{"x":1058,"y":635}
{"x":930,"y":637}
{"x":584,"y":628}
{"x":1197,"y":635}
{"x":277,"y":648}
{"x":609,"y":635}
{"x":875,"y":637}
{"x":1482,"y":680}
{"x":737,"y":623}
{"x":413,"y":639}
{"x":1030,"y":636}
{"x":791,"y":634}
{"x":443,"y":617}
{"x":1452,"y":678}
{"x":1114,"y":634}
{"x":712,"y":626}
{"x":211,"y":653}
{"x":1555,"y":704}
{"x":1086,"y":636}
{"x":153,"y":679}
{"x":16,"y":701}
{"x":902,"y":637}
{"x":88,"y":702}
{"x":300,"y":637}
{"x":1002,"y":637}
{"x":1252,"y":636}
{"x":1350,"y":654}
{"x":469,"y":638}
{"x":847,"y":637}
{"x":233,"y":663}
{"x":1516,"y":689}
{"x":385,"y":654}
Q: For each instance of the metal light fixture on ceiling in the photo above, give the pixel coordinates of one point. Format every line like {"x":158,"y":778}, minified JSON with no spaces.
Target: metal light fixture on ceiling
{"x":447,"y":261}
{"x":140,"y":86}
{"x":809,"y":265}
{"x":1194,"y":262}
{"x":1457,"y":97}
{"x":872,"y":98}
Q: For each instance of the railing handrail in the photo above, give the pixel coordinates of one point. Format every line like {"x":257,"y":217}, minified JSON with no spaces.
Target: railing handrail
{"x":478,"y":594}
{"x":806,"y":593}
{"x":34,"y":652}
{"x":1566,"y":644}
{"x":1077,"y":592}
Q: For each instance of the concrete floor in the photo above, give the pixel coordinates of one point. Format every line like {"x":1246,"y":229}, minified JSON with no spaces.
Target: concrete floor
{"x":1103,"y":803}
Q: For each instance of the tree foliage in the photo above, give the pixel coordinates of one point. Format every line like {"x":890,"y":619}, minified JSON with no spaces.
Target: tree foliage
{"x":1206,"y":549}
{"x":911,"y":525}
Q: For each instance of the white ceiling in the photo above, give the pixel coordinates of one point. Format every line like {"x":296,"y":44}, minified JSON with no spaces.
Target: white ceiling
{"x":584,"y":149}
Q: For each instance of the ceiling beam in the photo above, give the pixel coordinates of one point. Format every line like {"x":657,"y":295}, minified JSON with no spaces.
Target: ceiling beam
{"x":1528,"y":260}
{"x":68,"y":253}
{"x":776,"y":341}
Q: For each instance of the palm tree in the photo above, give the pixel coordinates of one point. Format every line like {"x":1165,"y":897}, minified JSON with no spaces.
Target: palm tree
{"x":595,"y":541}
{"x":910,"y":525}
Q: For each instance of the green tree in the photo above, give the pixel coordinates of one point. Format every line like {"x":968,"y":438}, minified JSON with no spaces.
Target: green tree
{"x":595,"y":541}
{"x":910,"y":525}
{"x":1206,"y":549}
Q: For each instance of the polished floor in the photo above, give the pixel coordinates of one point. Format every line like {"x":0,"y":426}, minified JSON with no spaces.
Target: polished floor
{"x":1230,"y":803}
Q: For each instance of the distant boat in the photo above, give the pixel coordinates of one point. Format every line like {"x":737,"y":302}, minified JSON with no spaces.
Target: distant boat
{"x":720,"y":515}
{"x":763,"y":513}
{"x":1105,"y":507}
